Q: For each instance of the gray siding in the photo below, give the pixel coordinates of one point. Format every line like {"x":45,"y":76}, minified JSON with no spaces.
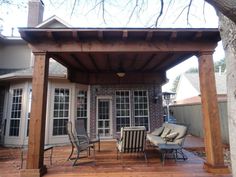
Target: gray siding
{"x":192,"y":116}
{"x":15,"y":56}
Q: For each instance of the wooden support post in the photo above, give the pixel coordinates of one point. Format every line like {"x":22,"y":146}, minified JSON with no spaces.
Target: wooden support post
{"x":35,"y":155}
{"x":211,"y":120}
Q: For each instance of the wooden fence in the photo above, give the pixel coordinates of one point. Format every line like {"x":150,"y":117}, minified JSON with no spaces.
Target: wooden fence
{"x":191,"y":115}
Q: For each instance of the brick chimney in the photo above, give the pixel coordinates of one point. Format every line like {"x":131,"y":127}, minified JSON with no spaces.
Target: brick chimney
{"x":35,"y":12}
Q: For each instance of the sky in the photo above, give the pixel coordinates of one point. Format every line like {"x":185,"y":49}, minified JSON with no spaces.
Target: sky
{"x":121,"y":13}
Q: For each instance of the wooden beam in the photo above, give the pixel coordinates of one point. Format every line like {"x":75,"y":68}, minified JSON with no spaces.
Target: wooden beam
{"x":100,"y":35}
{"x":211,"y":120}
{"x":197,"y":35}
{"x":75,"y":36}
{"x":94,"y":62}
{"x":124,"y":35}
{"x":76,"y":59}
{"x":38,"y":117}
{"x":149,"y":35}
{"x":173,"y":35}
{"x":52,"y":36}
{"x":123,"y":46}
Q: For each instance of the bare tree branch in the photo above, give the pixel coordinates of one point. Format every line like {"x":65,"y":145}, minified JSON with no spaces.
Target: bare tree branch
{"x":203,"y":11}
{"x":132,"y":12}
{"x":73,"y":7}
{"x":189,"y":6}
{"x":160,"y":13}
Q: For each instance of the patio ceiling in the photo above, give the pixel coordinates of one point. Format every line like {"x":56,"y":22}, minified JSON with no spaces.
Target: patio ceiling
{"x":99,"y":51}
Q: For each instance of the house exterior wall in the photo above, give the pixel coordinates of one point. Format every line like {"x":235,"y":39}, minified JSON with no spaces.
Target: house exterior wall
{"x":15,"y":56}
{"x":155,"y":109}
{"x":185,"y":89}
{"x":93,"y":91}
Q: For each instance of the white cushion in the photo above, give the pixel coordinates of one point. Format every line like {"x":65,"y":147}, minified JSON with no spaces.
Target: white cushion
{"x":158,"y":131}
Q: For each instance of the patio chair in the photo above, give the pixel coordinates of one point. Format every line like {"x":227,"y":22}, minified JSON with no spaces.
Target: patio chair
{"x":132,"y":140}
{"x":81,"y":131}
{"x":79,"y":142}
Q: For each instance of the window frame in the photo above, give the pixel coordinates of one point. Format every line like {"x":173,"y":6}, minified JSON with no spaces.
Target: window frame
{"x":130,"y":110}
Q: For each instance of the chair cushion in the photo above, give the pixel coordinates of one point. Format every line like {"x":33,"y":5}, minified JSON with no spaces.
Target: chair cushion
{"x":155,"y":140}
{"x":158,"y":131}
{"x":165,"y":132}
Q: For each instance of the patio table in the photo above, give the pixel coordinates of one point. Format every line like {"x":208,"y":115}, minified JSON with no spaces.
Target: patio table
{"x":173,"y":149}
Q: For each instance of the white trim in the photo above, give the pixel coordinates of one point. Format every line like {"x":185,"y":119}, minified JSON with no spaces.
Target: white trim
{"x":51,"y":19}
{"x":109,"y":98}
{"x":15,"y":140}
{"x":60,"y":139}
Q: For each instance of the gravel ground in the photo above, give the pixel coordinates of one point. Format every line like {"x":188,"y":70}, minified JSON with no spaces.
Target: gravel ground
{"x":227,"y":160}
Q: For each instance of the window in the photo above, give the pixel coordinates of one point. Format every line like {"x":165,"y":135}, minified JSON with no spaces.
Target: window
{"x":141,"y":108}
{"x":60,"y":111}
{"x":82,"y":106}
{"x":15,"y":112}
{"x":122,"y":109}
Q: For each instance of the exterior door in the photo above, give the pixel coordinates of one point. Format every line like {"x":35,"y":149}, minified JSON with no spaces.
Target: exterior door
{"x":104,"y":118}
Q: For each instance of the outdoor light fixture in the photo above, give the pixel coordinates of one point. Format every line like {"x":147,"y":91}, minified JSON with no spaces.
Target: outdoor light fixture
{"x":168,"y":97}
{"x":120,"y":74}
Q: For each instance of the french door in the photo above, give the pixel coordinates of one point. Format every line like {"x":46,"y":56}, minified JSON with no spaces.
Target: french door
{"x":104,"y":122}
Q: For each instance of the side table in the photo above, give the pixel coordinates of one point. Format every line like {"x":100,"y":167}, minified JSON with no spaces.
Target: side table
{"x":173,"y":149}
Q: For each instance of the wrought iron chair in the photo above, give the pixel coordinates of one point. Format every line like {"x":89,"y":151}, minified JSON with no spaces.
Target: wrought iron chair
{"x":79,"y":142}
{"x":81,"y":131}
{"x":132,"y":140}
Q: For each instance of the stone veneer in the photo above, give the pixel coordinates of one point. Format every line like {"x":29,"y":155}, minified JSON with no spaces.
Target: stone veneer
{"x":155,"y":107}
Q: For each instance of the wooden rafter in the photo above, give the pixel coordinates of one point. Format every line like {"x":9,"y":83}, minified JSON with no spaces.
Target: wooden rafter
{"x":75,"y":35}
{"x":61,"y":60}
{"x":168,"y":56}
{"x":51,"y":35}
{"x":147,"y":62}
{"x":134,"y":60}
{"x":100,"y":35}
{"x":82,"y":66}
{"x":124,"y":34}
{"x":197,"y":35}
{"x":149,"y":35}
{"x":173,"y":35}
{"x":94,"y":62}
{"x":171,"y":63}
{"x":108,"y":62}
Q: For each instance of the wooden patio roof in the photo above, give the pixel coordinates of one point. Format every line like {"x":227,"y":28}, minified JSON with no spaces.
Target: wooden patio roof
{"x":93,"y":56}
{"x":105,"y":51}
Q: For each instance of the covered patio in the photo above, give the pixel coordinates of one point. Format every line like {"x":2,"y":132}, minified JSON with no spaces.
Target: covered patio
{"x":107,"y":165}
{"x":95,"y":56}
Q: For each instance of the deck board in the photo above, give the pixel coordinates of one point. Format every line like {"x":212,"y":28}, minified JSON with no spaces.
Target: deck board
{"x":107,"y":165}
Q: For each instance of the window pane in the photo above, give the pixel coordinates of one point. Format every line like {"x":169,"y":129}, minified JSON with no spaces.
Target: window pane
{"x":141,"y":117}
{"x":61,"y":111}
{"x":122,"y":109}
{"x":15,"y":112}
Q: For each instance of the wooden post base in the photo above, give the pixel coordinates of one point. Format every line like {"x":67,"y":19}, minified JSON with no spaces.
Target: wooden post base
{"x":33,"y":172}
{"x":219,"y":169}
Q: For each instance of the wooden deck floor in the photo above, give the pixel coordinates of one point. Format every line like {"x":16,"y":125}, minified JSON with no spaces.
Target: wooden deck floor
{"x":106,"y":164}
